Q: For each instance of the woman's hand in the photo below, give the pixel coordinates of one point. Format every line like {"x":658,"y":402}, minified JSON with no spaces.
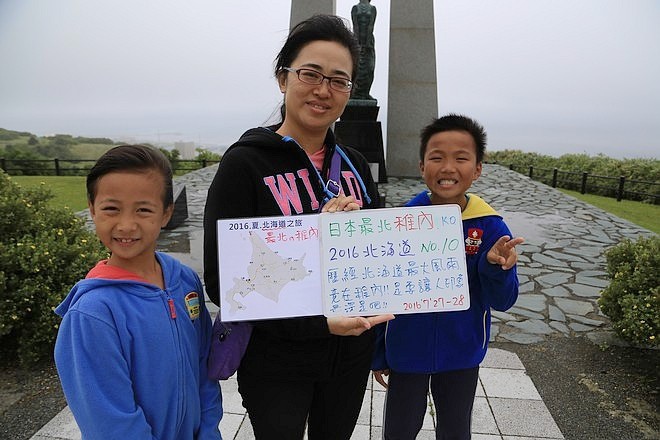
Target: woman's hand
{"x":503,"y":252}
{"x":380,"y":375}
{"x":355,"y":326}
{"x":341,"y":203}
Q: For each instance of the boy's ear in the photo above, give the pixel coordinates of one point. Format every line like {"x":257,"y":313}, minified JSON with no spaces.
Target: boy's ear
{"x":477,"y":171}
{"x":92,"y":212}
{"x":421,"y":166}
{"x":167,"y":215}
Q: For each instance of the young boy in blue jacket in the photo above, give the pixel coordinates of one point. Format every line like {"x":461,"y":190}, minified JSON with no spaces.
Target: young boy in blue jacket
{"x":443,"y":350}
{"x":132,"y":347}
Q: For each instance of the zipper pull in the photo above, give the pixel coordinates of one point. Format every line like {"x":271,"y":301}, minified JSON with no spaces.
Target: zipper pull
{"x":172,"y":308}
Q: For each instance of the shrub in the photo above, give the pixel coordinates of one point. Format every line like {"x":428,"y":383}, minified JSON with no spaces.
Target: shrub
{"x":632,"y":299}
{"x":23,"y":160}
{"x":640,"y":174}
{"x":44,"y":251}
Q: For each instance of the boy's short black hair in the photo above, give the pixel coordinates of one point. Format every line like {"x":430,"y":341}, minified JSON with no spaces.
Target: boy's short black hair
{"x":455,"y":122}
{"x":132,"y":158}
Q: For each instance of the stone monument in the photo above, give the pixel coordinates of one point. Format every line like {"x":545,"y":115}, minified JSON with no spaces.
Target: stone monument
{"x":303,"y":9}
{"x":412,"y":97}
{"x":363,"y":16}
{"x":358,"y":126}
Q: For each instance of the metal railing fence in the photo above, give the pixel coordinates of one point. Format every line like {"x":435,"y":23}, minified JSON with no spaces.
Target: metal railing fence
{"x":80,"y":167}
{"x":618,"y":187}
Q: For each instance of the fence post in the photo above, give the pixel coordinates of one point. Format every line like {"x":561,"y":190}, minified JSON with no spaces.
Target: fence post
{"x":511,"y":167}
{"x":531,"y":172}
{"x":619,"y":193}
{"x":57,"y":167}
{"x":583,"y":188}
{"x":3,"y":165}
{"x":203,"y":163}
{"x":554,"y":178}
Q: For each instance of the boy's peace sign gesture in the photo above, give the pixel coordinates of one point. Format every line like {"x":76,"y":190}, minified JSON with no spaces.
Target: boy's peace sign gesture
{"x":504,"y":252}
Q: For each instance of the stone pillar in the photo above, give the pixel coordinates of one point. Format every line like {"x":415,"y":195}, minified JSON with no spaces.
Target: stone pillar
{"x":303,"y":9}
{"x":413,"y":93}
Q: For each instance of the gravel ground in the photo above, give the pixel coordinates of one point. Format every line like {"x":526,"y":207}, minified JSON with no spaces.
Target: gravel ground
{"x":593,"y":392}
{"x":29,"y":398}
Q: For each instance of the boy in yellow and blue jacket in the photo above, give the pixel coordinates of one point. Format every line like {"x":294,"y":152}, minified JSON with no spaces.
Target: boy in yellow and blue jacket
{"x":443,"y":350}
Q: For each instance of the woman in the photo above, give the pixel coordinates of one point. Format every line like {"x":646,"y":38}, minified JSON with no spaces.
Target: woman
{"x":314,"y":369}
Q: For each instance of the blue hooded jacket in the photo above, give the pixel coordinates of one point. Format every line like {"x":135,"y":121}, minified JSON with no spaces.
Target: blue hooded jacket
{"x":132,"y":357}
{"x":443,"y":341}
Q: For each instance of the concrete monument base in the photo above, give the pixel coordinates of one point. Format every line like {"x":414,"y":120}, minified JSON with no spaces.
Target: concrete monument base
{"x":359,"y":129}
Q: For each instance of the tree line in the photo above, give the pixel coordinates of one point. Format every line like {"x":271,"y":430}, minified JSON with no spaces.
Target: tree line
{"x":29,"y":154}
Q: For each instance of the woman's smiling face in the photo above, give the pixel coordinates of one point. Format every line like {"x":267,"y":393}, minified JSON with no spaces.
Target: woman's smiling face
{"x":313,"y":108}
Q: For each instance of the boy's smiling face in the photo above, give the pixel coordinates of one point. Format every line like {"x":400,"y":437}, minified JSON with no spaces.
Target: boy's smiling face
{"x":128,"y":213}
{"x":450,"y":166}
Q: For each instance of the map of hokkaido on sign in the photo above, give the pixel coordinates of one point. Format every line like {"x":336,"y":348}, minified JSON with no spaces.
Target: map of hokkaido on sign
{"x":356,"y":263}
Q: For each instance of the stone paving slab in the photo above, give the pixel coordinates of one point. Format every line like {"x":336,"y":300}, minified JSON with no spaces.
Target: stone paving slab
{"x":562,"y":257}
{"x":561,"y":270}
{"x":507,"y":403}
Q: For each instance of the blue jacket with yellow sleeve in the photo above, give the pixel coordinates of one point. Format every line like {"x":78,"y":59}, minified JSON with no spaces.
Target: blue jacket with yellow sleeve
{"x":443,"y":341}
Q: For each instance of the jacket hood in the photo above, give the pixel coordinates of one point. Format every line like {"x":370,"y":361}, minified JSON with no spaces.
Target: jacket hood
{"x":476,"y":206}
{"x":102,"y":275}
{"x":267,"y":137}
{"x":261,"y":137}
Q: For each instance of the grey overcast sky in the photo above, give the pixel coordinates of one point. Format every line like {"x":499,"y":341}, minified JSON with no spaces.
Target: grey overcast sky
{"x":548,"y":76}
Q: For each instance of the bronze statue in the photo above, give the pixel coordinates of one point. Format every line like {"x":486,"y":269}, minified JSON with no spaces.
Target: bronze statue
{"x":363,"y":16}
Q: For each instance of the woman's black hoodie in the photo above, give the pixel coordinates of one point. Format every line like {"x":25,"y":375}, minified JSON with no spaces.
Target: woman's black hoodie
{"x":265,"y":174}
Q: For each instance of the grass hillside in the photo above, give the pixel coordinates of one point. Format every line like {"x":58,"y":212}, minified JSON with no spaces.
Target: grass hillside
{"x":24,"y":145}
{"x":89,"y":151}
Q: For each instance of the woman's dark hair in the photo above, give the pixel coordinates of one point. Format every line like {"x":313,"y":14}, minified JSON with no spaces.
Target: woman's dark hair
{"x":316,"y":28}
{"x":131,"y":158}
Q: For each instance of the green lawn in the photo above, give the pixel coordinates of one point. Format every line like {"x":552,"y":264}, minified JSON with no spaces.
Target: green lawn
{"x":67,"y":190}
{"x":642,"y":214}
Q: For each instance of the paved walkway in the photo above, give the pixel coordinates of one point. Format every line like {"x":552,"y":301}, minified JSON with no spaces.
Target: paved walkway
{"x":561,"y":271}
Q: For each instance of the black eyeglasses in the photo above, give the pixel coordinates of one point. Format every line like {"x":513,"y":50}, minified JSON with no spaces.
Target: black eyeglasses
{"x":309,"y":76}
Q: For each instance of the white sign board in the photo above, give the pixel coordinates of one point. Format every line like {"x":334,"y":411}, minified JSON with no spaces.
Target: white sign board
{"x":269,"y":267}
{"x":397,"y":260}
